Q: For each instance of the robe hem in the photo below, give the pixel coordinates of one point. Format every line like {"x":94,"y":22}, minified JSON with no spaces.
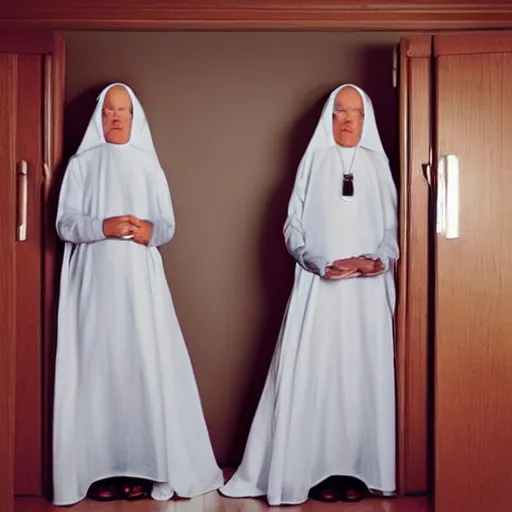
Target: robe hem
{"x":374,"y":490}
{"x":214,"y":487}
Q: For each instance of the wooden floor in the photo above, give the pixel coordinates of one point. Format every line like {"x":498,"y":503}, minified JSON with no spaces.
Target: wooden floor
{"x":213,"y":502}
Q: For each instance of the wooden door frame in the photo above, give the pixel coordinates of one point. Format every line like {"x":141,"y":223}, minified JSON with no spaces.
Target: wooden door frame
{"x":412,"y":393}
{"x":7,"y":277}
{"x":54,"y":95}
{"x":364,"y":15}
{"x":413,"y":308}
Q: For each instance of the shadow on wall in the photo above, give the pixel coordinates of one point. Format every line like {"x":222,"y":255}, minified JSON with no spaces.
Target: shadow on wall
{"x":378,"y":84}
{"x":77,"y":114}
{"x":276,"y":265}
{"x":275,"y":272}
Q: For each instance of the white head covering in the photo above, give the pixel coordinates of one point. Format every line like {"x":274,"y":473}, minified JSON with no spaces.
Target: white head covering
{"x":140,"y":136}
{"x":325,"y":240}
{"x":323,"y":136}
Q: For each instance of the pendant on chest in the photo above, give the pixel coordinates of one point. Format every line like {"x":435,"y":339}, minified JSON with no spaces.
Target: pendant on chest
{"x":347,"y":187}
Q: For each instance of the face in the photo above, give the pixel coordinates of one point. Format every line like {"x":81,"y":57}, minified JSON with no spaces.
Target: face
{"x":117,"y":115}
{"x":348,"y":117}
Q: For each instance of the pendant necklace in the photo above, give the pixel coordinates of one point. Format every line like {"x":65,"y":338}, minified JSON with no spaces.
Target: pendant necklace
{"x":347,"y":185}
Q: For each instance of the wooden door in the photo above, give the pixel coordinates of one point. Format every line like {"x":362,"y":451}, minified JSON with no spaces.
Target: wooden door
{"x":473,"y":338}
{"x":30,"y":71}
{"x":412,"y":319}
{"x":28,"y":274}
{"x":7,"y":273}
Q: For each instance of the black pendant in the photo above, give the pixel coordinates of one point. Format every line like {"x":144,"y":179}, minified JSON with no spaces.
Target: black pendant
{"x":348,"y":185}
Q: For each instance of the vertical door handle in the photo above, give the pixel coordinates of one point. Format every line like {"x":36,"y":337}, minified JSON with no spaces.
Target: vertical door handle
{"x":448,"y":200}
{"x":22,"y":200}
{"x":46,"y":174}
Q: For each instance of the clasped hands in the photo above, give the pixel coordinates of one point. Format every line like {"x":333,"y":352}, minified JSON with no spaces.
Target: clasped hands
{"x":128,"y":225}
{"x":361,"y":265}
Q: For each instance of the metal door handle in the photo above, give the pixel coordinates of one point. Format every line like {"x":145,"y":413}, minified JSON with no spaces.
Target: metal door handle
{"x":22,"y":200}
{"x":448,"y":201}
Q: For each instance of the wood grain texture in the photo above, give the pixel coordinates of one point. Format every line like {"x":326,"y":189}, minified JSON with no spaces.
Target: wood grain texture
{"x":412,"y":311}
{"x":463,"y":44}
{"x":8,"y":71}
{"x":256,"y":14}
{"x":473,"y":410}
{"x":418,"y":276}
{"x":25,"y":41}
{"x":28,"y":302}
{"x":401,"y":266}
{"x":417,"y":45}
{"x":214,"y":502}
{"x":54,"y":84}
{"x":29,"y":291}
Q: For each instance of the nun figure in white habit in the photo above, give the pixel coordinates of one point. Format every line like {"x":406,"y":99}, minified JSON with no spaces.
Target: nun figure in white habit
{"x":128,"y":420}
{"x":325,"y":423}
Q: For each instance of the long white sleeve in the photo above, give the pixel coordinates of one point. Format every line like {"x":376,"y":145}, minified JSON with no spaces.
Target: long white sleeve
{"x":293,"y":230}
{"x":163,"y":226}
{"x":388,"y":251}
{"x":72,"y":224}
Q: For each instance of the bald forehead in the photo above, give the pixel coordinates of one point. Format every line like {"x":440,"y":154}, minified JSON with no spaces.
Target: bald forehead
{"x":119,"y":95}
{"x":349,"y":97}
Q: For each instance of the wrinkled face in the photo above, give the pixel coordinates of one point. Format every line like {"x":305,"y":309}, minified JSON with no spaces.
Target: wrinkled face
{"x":348,"y":117}
{"x":117,"y":115}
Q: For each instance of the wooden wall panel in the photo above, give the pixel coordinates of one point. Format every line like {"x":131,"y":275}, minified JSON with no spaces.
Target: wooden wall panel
{"x":257,"y":14}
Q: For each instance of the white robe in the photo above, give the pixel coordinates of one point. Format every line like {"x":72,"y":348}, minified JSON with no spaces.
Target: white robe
{"x":328,"y":405}
{"x":126,"y":401}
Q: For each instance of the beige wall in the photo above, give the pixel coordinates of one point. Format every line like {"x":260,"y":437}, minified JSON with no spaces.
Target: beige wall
{"x":231,"y":114}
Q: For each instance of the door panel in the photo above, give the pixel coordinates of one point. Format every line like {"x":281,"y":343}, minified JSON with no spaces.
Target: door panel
{"x":7,"y":275}
{"x":31,"y":112}
{"x":412,"y":311}
{"x":418,"y":279}
{"x":473,"y":353}
{"x":29,"y":276}
{"x":54,"y":84}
